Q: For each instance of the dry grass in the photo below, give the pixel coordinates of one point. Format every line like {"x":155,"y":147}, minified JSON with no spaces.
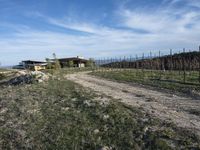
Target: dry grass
{"x":63,"y":115}
{"x":154,"y":79}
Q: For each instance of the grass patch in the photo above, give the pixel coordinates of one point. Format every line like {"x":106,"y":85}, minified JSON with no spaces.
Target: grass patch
{"x":153,"y":78}
{"x":3,"y":70}
{"x":63,"y":115}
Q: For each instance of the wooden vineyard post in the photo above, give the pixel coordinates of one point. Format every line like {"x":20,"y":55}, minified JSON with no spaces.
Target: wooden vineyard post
{"x":184,"y":75}
{"x":160,"y":65}
{"x":143,"y":65}
{"x":124,"y":63}
{"x":151,"y":68}
{"x":199,"y":64}
{"x":130,"y":63}
{"x":171,"y":63}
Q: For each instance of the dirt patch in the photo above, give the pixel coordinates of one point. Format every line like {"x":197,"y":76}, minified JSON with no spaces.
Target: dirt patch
{"x":165,"y":106}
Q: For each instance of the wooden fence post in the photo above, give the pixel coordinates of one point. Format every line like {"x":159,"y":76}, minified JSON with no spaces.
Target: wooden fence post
{"x":151,"y":67}
{"x":160,"y":65}
{"x":130,"y":63}
{"x":199,"y":64}
{"x":171,"y":63}
{"x":184,"y":75}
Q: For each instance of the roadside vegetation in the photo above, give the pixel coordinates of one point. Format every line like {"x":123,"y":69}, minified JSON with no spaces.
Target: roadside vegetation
{"x":3,"y":70}
{"x":60,"y":114}
{"x":172,"y":80}
{"x":6,"y":74}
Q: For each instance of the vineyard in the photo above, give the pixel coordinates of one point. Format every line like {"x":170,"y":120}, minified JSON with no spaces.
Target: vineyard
{"x":180,"y":68}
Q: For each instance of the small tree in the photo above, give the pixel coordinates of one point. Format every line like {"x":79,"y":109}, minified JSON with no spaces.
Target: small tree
{"x":57,"y":65}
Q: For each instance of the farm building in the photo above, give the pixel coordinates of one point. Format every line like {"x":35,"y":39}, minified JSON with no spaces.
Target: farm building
{"x":32,"y":65}
{"x":73,"y":62}
{"x":37,"y":67}
{"x":64,"y":62}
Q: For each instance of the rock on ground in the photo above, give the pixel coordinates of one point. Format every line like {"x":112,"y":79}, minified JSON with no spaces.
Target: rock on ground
{"x":28,"y":77}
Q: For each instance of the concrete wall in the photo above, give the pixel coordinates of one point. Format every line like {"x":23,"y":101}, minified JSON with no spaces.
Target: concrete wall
{"x":80,"y":65}
{"x":37,"y":68}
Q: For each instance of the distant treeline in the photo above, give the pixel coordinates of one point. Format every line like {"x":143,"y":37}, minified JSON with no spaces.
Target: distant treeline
{"x":181,"y":61}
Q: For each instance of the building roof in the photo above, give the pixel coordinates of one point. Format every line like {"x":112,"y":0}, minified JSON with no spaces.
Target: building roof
{"x":32,"y":61}
{"x":38,"y":64}
{"x":72,"y":59}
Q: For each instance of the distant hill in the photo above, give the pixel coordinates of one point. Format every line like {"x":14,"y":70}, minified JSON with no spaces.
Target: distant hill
{"x":181,"y":61}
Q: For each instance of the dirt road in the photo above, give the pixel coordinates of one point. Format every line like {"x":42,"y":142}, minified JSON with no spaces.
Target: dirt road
{"x":184,"y":112}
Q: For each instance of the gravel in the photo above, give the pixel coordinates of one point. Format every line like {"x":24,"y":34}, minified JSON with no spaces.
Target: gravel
{"x":162,"y":105}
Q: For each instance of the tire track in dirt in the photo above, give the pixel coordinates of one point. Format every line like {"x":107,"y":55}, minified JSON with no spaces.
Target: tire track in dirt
{"x":165,"y":106}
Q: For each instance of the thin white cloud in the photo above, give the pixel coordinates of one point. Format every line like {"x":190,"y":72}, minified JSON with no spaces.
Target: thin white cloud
{"x":167,"y":25}
{"x":183,"y":3}
{"x":67,"y":23}
{"x":83,"y":27}
{"x":160,"y":21}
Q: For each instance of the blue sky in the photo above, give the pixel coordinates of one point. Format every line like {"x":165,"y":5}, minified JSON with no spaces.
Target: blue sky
{"x":34,"y":29}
